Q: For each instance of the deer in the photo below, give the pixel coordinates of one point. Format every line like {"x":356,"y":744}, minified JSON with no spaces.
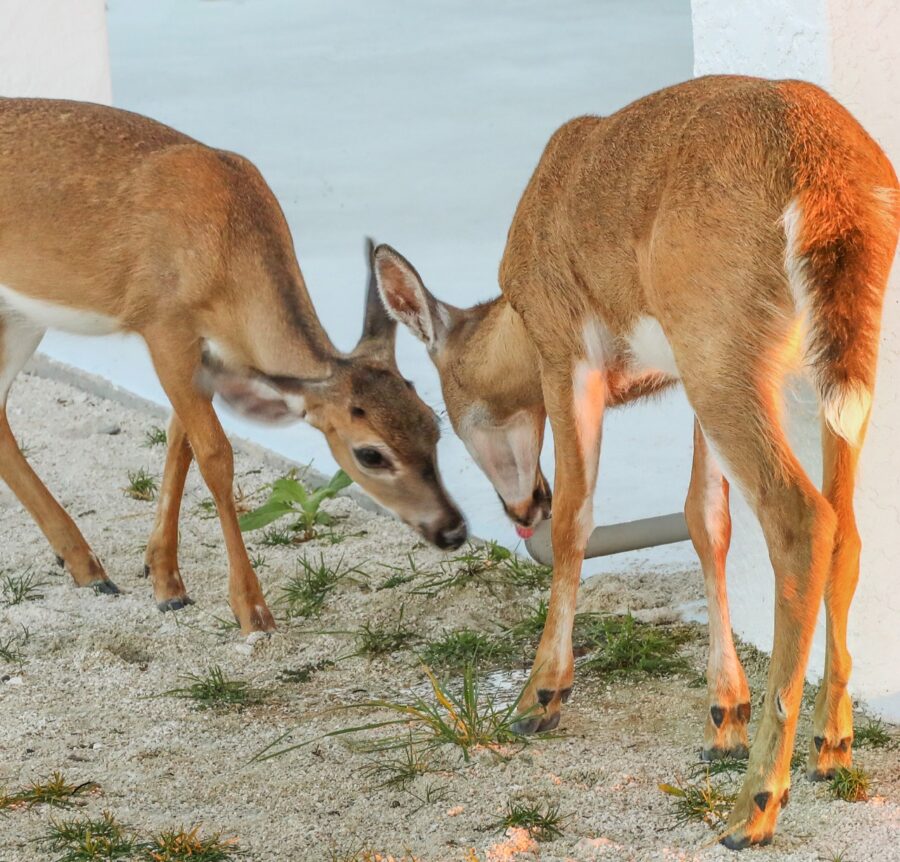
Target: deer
{"x":112,"y":222}
{"x":717,"y":234}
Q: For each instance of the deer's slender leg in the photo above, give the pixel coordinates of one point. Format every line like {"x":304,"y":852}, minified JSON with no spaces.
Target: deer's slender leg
{"x":161,"y":559}
{"x":830,"y":747}
{"x":176,"y":356}
{"x":799,"y":528}
{"x":709,"y":523}
{"x":575,"y":403}
{"x":19,"y":340}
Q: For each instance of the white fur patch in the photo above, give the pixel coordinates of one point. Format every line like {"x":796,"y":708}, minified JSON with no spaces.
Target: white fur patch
{"x":50,"y":315}
{"x":846,"y":411}
{"x":794,"y":263}
{"x":650,"y":349}
{"x":19,"y":340}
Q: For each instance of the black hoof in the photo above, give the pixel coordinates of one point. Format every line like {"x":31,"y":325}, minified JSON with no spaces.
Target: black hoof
{"x":732,"y":842}
{"x":60,"y":561}
{"x":540,"y":723}
{"x":820,"y":774}
{"x":739,"y":752}
{"x":106,"y":588}
{"x":146,"y":571}
{"x":175,"y":604}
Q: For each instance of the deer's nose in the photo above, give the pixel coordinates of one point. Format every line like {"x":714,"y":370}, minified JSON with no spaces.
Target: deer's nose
{"x":450,"y":537}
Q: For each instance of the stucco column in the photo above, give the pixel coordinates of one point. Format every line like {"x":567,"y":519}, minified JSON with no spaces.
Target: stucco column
{"x":54,"y":48}
{"x":850,"y":48}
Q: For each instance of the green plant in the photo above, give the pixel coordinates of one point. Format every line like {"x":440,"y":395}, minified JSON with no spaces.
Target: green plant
{"x":276,"y":537}
{"x":530,"y":627}
{"x":213,"y":689}
{"x":402,"y":769}
{"x":16,"y":589}
{"x":258,"y":561}
{"x":141,"y":485}
{"x":722,"y":766}
{"x":702,"y":802}
{"x":12,"y":648}
{"x":851,"y":784}
{"x":180,"y":845}
{"x":543,"y":821}
{"x":872,"y":734}
{"x":401,"y":574}
{"x":305,"y":592}
{"x":55,"y":792}
{"x":625,"y":647}
{"x":156,"y":436}
{"x":374,"y":641}
{"x":464,"y":720}
{"x":289,"y":497}
{"x":465,"y":647}
{"x":89,"y":839}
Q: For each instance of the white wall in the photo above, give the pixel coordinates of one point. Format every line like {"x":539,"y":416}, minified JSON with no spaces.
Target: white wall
{"x":54,"y":48}
{"x":850,"y":48}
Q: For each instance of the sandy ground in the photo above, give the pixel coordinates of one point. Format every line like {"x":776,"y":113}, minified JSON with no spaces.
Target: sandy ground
{"x":85,"y":700}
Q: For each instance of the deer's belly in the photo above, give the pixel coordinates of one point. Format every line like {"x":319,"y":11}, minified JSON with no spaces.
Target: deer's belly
{"x":51,"y":315}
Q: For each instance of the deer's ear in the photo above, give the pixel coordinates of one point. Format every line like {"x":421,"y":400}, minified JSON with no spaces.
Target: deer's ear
{"x":408,"y":300}
{"x":257,"y":396}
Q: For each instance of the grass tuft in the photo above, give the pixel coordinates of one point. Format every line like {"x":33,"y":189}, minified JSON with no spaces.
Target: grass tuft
{"x":464,"y":647}
{"x":489,"y":566}
{"x":531,"y":626}
{"x":17,"y":589}
{"x":873,"y":734}
{"x":305,"y":593}
{"x":850,"y":784}
{"x":55,"y":792}
{"x":85,"y":839}
{"x":700,"y":802}
{"x":141,"y":485}
{"x":375,"y":641}
{"x":214,"y":690}
{"x":12,"y":647}
{"x":461,"y":719}
{"x":399,"y":771}
{"x":180,"y":845}
{"x":156,"y":436}
{"x":625,"y":647}
{"x":543,"y":821}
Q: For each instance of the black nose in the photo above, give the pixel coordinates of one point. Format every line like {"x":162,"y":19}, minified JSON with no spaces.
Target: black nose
{"x":451,"y":537}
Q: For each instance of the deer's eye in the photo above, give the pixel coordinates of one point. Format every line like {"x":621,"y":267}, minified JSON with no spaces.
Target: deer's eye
{"x":371,"y":458}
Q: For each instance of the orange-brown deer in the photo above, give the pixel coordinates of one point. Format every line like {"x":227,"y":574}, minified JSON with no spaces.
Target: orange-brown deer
{"x":689,"y":237}
{"x":111,"y":222}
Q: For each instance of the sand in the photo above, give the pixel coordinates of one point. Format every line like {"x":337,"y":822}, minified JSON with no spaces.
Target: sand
{"x":86,"y":698}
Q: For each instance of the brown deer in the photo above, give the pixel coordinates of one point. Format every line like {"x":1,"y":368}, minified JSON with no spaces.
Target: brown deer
{"x":693,"y":236}
{"x":111,"y":222}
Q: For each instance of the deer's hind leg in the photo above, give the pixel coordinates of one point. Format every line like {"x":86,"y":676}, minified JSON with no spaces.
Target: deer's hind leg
{"x":19,"y":340}
{"x":161,"y":559}
{"x":830,"y":747}
{"x":709,"y":524}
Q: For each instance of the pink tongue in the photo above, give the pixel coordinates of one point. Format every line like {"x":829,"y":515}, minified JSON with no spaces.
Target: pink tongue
{"x":524,"y":532}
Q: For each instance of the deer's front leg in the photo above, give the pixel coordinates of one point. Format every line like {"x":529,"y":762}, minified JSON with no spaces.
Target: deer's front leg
{"x":176,"y":357}
{"x":161,"y":559}
{"x":709,"y":524}
{"x":575,"y":403}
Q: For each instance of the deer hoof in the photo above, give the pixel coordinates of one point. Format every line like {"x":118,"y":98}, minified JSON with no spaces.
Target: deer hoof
{"x":175,"y":604}
{"x":106,"y":587}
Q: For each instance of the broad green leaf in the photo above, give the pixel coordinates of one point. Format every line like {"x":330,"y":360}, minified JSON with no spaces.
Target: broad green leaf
{"x":338,"y":482}
{"x":286,"y":489}
{"x":264,"y":515}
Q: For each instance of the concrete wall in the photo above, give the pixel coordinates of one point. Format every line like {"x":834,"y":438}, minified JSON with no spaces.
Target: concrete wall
{"x":850,"y":48}
{"x":54,"y":48}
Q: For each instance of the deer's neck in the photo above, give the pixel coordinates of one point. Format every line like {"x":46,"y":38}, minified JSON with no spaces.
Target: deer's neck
{"x":502,"y":359}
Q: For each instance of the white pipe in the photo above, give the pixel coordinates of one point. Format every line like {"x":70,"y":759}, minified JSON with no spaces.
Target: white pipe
{"x":615,"y":538}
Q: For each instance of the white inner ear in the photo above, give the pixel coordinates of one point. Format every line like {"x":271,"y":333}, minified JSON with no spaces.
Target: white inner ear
{"x":508,"y":454}
{"x":404,"y":298}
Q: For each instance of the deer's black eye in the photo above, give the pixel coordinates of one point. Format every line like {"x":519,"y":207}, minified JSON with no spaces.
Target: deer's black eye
{"x":371,"y":458}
